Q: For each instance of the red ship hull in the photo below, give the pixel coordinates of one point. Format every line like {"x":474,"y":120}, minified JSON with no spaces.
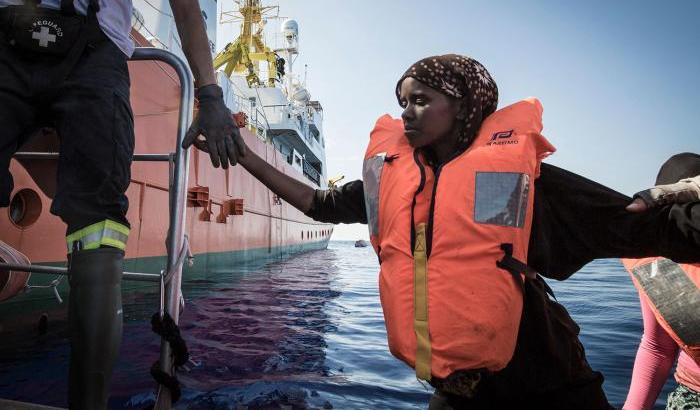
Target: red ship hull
{"x":230,"y":215}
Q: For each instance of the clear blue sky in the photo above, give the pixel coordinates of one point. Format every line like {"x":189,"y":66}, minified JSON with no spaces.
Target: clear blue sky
{"x":618,"y":79}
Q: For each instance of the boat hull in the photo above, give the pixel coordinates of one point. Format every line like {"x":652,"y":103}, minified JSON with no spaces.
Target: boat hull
{"x":260,"y":226}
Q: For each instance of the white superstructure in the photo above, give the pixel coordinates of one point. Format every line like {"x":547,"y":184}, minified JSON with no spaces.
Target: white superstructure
{"x":256,"y":80}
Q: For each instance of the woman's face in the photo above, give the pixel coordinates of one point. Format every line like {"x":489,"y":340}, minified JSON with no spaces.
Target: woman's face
{"x":428,"y":116}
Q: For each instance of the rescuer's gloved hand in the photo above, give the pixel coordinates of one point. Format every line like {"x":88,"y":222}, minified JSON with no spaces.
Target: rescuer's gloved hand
{"x":683,"y":191}
{"x":214,"y":122}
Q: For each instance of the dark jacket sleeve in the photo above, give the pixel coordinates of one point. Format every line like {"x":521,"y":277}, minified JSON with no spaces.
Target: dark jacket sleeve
{"x":577,"y":220}
{"x":344,"y":204}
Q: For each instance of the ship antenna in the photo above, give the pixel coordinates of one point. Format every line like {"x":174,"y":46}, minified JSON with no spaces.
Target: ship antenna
{"x":306,"y":69}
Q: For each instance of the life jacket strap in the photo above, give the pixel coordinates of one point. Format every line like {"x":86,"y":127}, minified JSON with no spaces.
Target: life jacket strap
{"x":420,"y":313}
{"x":513,"y":265}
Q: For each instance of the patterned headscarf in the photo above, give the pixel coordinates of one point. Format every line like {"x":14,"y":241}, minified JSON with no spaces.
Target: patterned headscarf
{"x":462,"y":78}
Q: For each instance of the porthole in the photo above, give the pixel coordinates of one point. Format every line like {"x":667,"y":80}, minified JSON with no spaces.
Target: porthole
{"x":25,"y":208}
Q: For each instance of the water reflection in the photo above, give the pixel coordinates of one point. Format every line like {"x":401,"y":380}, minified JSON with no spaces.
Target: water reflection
{"x":251,"y":331}
{"x":304,"y":333}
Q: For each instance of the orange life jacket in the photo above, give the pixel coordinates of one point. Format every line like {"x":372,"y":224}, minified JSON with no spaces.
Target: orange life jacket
{"x":673,"y":292}
{"x":441,"y":237}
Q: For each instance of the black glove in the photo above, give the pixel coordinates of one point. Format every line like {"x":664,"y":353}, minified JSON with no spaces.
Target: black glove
{"x":222,"y":140}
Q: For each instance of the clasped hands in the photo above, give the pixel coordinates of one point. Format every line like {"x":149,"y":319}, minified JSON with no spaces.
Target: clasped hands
{"x":225,"y":146}
{"x":683,"y":191}
{"x":214,"y":122}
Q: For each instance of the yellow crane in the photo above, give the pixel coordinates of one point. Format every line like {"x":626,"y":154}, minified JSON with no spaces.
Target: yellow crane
{"x":245,"y":54}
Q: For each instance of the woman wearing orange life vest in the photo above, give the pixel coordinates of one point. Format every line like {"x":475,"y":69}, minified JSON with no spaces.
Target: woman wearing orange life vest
{"x":670,"y":300}
{"x":462,"y":214}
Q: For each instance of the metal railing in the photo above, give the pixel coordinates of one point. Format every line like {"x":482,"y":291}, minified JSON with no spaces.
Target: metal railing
{"x":171,"y":278}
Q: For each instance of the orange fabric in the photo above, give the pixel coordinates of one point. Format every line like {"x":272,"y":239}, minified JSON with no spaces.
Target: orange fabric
{"x":693,"y":273}
{"x":474,"y":307}
{"x":688,"y":371}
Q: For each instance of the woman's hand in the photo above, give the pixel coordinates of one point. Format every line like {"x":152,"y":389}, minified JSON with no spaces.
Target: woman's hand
{"x":214,"y":122}
{"x":683,"y":191}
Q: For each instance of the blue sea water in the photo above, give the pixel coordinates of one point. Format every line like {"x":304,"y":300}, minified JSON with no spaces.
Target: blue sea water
{"x":302,"y":333}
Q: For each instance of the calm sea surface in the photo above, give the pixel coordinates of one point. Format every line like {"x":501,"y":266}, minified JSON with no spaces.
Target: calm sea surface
{"x":303,"y":333}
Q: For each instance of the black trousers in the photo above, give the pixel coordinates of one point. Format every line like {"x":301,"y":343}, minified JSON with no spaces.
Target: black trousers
{"x":91,"y":113}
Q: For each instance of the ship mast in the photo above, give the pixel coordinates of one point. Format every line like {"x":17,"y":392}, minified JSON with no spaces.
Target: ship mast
{"x":290,"y":32}
{"x":245,"y":53}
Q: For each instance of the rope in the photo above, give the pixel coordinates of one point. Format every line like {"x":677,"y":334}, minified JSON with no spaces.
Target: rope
{"x":163,"y":378}
{"x":9,"y":254}
{"x":185,"y":253}
{"x":166,"y":328}
{"x":53,"y":285}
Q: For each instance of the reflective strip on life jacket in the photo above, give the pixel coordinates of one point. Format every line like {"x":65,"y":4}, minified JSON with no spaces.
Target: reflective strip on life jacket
{"x":371,"y":172}
{"x":673,"y":295}
{"x":501,"y":198}
{"x":107,"y":233}
{"x":420,"y":309}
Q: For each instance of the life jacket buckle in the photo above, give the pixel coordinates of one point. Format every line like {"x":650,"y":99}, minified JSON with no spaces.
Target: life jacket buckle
{"x":513,"y":265}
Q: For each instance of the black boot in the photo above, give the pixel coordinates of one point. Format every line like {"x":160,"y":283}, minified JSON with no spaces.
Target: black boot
{"x":95,"y":318}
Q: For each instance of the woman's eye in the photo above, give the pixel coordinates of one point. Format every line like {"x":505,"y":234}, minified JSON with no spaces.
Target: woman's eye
{"x":420,"y":101}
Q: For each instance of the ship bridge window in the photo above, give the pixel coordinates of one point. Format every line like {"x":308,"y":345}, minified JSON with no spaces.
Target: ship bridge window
{"x":315,"y":134}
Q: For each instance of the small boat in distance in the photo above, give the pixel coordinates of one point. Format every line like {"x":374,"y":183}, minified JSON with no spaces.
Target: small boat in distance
{"x":361,"y":243}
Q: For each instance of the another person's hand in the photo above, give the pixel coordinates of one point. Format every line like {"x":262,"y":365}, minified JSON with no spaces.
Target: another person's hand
{"x":214,"y":122}
{"x":685,"y":190}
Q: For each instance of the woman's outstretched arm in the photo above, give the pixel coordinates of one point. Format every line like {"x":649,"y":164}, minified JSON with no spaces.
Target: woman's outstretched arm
{"x":296,"y":193}
{"x":344,"y":204}
{"x":577,"y":220}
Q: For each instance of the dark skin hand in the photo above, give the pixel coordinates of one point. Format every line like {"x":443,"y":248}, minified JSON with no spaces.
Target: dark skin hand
{"x":214,"y":121}
{"x":221,"y":138}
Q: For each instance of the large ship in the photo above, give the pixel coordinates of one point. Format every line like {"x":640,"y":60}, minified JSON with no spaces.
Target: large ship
{"x":231,"y":218}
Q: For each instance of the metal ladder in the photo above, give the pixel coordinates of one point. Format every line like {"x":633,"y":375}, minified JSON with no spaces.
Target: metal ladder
{"x":171,"y":278}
